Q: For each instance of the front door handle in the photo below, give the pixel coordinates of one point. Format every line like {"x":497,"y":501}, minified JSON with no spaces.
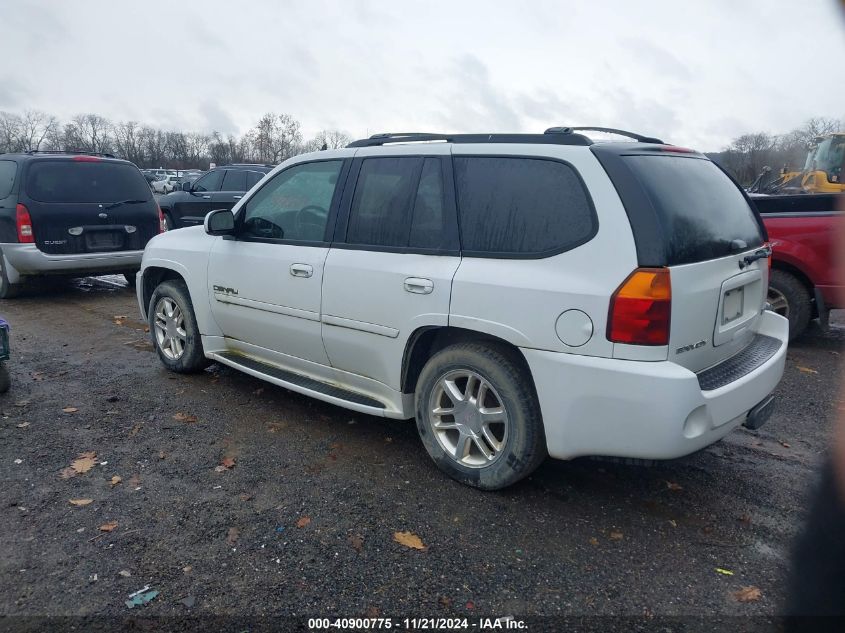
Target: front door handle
{"x":236,"y":197}
{"x":301,"y":270}
{"x":419,"y":286}
{"x":206,"y":197}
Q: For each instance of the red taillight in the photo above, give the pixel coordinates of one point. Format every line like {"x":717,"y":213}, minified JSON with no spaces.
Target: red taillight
{"x":24,"y":223}
{"x":162,"y":225}
{"x":86,"y":159}
{"x":641,"y":308}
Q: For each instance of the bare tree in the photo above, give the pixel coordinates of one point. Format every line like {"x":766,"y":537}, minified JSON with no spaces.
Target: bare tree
{"x":277,"y":137}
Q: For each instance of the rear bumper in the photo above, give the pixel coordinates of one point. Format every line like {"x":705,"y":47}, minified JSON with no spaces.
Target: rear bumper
{"x":27,"y":259}
{"x":647,"y":410}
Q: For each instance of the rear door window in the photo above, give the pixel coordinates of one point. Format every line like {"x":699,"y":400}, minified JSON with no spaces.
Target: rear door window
{"x":252,"y":178}
{"x":702,"y":213}
{"x":235,"y":180}
{"x":521,"y":207}
{"x":83,"y":181}
{"x":8,"y":170}
{"x":383,"y":201}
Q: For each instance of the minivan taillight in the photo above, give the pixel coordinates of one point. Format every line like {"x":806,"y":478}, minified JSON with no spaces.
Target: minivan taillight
{"x":24,"y":224}
{"x":641,"y":308}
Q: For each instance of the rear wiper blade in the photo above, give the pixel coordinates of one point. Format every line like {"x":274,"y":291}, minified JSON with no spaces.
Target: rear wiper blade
{"x":122,"y":202}
{"x":763,"y":253}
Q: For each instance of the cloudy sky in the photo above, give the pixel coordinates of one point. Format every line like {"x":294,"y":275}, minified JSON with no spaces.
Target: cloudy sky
{"x":695,"y":73}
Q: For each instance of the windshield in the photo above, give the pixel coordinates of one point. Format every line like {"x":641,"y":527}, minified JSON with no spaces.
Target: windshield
{"x":85,"y":181}
{"x":829,"y":156}
{"x":702,"y":213}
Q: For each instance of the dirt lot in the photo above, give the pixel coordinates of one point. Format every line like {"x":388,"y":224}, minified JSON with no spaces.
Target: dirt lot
{"x":302,"y":522}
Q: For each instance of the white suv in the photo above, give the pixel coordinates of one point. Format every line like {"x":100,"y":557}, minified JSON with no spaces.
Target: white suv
{"x":519,"y":295}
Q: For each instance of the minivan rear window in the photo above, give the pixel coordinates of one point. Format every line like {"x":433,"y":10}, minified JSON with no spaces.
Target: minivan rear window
{"x":701,"y":212}
{"x":73,"y":181}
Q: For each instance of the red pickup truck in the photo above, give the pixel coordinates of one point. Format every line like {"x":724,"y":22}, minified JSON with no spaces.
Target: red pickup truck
{"x":803,"y":231}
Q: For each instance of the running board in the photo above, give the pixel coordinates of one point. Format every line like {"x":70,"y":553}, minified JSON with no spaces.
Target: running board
{"x":298,"y":382}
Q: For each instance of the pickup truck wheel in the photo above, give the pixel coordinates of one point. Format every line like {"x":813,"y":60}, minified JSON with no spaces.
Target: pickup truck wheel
{"x":174,"y":330}
{"x":478,"y":416}
{"x":790,"y":298}
{"x":168,"y":221}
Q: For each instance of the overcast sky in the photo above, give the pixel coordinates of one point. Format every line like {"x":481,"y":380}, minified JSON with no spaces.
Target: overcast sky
{"x":695,"y":73}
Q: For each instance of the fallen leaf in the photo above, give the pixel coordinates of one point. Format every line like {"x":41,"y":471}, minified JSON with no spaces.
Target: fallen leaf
{"x":748,"y":594}
{"x":301,"y":523}
{"x":38,"y":376}
{"x":135,"y":430}
{"x":373,"y":612}
{"x":135,"y":480}
{"x":162,"y":455}
{"x":220,"y":469}
{"x":184,"y":417}
{"x":228,"y":462}
{"x":67,"y":473}
{"x":470,"y":605}
{"x":409,"y":539}
{"x":125,"y":573}
{"x":807,"y":370}
{"x":81,"y":502}
{"x":594,"y":541}
{"x":673,"y":523}
{"x":233,"y":535}
{"x":357,"y":542}
{"x":445,"y":602}
{"x":616,"y":536}
{"x":745,"y":519}
{"x":785,"y":444}
{"x":108,"y":527}
{"x":671,"y":485}
{"x":259,"y":391}
{"x":70,"y":409}
{"x":23,"y":425}
{"x":115,"y":480}
{"x":80,"y":465}
{"x":187,"y":569}
{"x":724,"y":572}
{"x":245,"y":497}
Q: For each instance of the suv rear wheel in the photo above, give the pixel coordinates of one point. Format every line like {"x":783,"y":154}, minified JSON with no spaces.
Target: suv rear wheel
{"x":174,"y":330}
{"x":478,"y":416}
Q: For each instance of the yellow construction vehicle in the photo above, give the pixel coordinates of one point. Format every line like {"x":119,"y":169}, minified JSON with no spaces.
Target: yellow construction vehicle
{"x":822,"y":172}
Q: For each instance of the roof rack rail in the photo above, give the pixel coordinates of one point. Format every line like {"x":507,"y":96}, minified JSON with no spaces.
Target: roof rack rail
{"x":69,"y":151}
{"x":609,"y":130}
{"x":422,"y":137}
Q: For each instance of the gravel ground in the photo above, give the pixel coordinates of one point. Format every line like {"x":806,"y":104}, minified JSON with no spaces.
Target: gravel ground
{"x":302,"y":522}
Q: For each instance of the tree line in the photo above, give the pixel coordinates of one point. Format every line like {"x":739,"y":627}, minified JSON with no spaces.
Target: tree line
{"x":747,"y":155}
{"x":275,"y":138}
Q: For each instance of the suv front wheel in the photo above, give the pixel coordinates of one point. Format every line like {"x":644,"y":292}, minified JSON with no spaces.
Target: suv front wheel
{"x":478,"y":415}
{"x":174,"y":330}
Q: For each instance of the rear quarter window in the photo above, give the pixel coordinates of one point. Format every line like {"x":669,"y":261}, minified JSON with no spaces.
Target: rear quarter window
{"x":8,"y":170}
{"x":702,"y":214}
{"x":72,"y":181}
{"x":521,"y":207}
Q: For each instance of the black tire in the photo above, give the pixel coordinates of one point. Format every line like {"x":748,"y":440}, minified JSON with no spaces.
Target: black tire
{"x":523,"y":448}
{"x":7,"y":290}
{"x":130,"y":278}
{"x":790,"y":298}
{"x":169,"y":225}
{"x":5,"y":379}
{"x":192,"y":358}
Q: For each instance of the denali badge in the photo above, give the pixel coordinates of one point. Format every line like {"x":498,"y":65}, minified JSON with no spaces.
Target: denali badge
{"x":55,"y":242}
{"x":227,"y":291}
{"x":687,"y":348}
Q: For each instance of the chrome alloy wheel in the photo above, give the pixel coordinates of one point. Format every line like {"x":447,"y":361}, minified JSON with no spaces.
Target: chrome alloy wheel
{"x":169,"y":323}
{"x":468,"y":418}
{"x":777,"y":301}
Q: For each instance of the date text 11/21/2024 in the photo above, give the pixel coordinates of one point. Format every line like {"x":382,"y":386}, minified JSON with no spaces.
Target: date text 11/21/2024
{"x":417,"y":624}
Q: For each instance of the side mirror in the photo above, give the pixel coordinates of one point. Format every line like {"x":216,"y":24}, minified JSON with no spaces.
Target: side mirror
{"x":186,"y":186}
{"x":220,"y":222}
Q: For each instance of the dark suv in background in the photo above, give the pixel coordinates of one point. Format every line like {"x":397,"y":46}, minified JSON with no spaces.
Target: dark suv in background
{"x":220,"y":188}
{"x":72,"y":214}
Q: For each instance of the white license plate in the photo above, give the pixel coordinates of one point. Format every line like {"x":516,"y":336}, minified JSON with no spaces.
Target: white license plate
{"x":732,"y":306}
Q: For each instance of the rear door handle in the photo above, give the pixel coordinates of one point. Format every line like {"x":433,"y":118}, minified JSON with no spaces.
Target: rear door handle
{"x":419,"y":286}
{"x":206,"y":197}
{"x":301,"y":270}
{"x":236,"y":197}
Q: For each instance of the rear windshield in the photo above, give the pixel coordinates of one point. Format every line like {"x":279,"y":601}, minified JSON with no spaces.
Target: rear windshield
{"x":702,"y":213}
{"x":84,"y":181}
